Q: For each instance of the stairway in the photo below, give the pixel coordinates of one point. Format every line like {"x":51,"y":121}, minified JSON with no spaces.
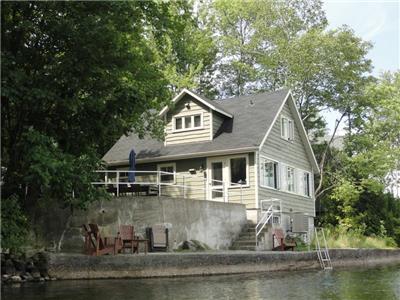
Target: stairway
{"x":247,"y":238}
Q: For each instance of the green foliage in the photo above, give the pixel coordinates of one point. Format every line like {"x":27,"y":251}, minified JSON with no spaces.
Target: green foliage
{"x":13,"y":224}
{"x":342,"y":237}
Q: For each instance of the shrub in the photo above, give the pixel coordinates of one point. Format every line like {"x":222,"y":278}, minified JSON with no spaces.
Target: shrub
{"x":13,"y":225}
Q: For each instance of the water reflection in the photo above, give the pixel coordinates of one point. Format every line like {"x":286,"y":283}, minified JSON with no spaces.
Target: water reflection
{"x":358,"y":284}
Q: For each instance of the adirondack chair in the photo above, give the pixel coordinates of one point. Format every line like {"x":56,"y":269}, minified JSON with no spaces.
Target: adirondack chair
{"x":283,"y":244}
{"x":95,"y":245}
{"x":128,"y":238}
{"x":158,"y":236}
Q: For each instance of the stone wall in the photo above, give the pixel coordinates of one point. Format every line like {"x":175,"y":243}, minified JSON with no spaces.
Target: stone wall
{"x":77,"y":266}
{"x":213,"y":223}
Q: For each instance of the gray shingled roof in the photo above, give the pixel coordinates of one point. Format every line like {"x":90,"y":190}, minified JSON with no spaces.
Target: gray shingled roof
{"x":253,"y":115}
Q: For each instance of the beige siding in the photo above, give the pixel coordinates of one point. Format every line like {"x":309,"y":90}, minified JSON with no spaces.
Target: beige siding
{"x":292,"y":153}
{"x":198,"y":135}
{"x":217,"y":122}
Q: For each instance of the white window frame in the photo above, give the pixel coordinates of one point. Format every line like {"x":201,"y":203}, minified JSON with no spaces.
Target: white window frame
{"x":286,"y":167}
{"x":301,"y":183}
{"x":173,"y":165}
{"x":183,"y":122}
{"x":236,"y":185}
{"x":263,"y":160}
{"x":289,"y":134}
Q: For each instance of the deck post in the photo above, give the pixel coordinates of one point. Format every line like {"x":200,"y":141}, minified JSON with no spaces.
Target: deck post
{"x":183,"y":185}
{"x":241,"y":194}
{"x":159,"y":184}
{"x":117,"y":183}
{"x":205,"y":188}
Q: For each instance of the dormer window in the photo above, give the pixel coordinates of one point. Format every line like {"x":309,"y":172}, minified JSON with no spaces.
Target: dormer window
{"x":287,"y":129}
{"x":191,"y":122}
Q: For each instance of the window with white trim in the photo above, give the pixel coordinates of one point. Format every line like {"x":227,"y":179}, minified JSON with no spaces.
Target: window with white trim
{"x":167,"y":173}
{"x":287,"y":129}
{"x":269,"y":173}
{"x":306,"y":184}
{"x":188,"y":122}
{"x":238,"y":170}
{"x":290,"y":179}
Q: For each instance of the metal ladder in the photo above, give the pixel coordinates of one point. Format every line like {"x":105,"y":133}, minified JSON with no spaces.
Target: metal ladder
{"x":323,"y":254}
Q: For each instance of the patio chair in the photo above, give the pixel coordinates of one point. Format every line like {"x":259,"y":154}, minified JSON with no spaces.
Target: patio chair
{"x":128,"y":238}
{"x":95,"y":245}
{"x":283,"y":244}
{"x":158,"y":236}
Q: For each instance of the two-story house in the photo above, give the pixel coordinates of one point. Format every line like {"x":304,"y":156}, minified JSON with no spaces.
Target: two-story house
{"x":248,"y":149}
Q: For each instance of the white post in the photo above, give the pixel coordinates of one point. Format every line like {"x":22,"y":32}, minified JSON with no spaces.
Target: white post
{"x":205,"y":188}
{"x":224,"y":194}
{"x":117,"y":183}
{"x":241,"y":194}
{"x":159,"y":183}
{"x":184,"y":192}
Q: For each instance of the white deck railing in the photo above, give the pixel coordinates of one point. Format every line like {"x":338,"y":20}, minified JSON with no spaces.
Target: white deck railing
{"x":171,"y":184}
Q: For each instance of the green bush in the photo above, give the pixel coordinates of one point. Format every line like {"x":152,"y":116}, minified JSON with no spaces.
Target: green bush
{"x":340,"y":237}
{"x":13,"y":225}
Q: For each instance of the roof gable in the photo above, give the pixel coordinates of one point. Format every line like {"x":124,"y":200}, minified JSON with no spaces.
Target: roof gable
{"x":211,"y":104}
{"x":301,"y":130}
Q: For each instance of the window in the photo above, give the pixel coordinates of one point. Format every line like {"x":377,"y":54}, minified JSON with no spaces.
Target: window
{"x":269,"y":173}
{"x":167,"y":168}
{"x":238,"y":168}
{"x":287,"y":129}
{"x":290,"y":179}
{"x":306,"y":184}
{"x":188,"y":122}
{"x":178,"y":123}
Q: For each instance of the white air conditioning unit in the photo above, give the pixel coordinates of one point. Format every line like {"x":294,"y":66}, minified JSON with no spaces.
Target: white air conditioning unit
{"x":300,"y":223}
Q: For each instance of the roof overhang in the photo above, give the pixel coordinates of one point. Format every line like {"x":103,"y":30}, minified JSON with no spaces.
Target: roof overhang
{"x":187,"y":92}
{"x":185,"y":156}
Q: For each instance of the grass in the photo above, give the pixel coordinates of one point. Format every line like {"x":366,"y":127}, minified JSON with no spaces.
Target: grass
{"x":338,"y":238}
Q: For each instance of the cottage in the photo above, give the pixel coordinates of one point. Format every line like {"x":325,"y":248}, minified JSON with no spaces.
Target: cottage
{"x":249,"y":149}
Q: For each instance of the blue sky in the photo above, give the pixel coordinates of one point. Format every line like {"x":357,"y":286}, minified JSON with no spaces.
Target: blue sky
{"x":374,"y":21}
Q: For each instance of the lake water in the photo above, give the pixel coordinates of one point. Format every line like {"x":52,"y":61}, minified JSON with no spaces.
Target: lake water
{"x":359,"y":283}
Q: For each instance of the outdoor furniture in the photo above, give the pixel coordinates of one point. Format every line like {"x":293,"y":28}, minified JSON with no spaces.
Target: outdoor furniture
{"x":158,"y":236}
{"x":95,"y":245}
{"x":125,"y":188}
{"x":283,"y":244}
{"x":128,"y":239}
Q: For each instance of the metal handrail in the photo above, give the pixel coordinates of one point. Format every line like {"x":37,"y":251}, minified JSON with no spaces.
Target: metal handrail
{"x":263,"y":221}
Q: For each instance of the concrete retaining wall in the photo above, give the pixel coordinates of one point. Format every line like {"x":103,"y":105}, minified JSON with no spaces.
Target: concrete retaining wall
{"x":69,"y":266}
{"x":214,"y":223}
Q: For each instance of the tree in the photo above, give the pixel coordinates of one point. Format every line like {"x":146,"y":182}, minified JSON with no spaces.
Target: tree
{"x":76,"y":75}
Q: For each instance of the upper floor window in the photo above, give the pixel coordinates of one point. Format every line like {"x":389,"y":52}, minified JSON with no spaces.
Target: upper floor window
{"x":287,"y":129}
{"x":188,"y":122}
{"x":269,"y":173}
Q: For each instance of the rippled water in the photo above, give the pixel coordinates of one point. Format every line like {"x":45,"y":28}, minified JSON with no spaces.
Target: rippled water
{"x":361,"y":284}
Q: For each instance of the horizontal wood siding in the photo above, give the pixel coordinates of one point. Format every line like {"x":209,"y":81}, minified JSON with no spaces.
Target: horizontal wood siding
{"x":198,"y":135}
{"x":292,"y":153}
{"x":217,"y":122}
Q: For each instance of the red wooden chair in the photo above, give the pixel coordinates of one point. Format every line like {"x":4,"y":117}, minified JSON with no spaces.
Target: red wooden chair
{"x":283,"y":244}
{"x":128,"y":238}
{"x":95,"y":245}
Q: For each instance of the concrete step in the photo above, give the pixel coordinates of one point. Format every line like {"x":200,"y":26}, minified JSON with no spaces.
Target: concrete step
{"x":243,"y":241}
{"x":251,"y":248}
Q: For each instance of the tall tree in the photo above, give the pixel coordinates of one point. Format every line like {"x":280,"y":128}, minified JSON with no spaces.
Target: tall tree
{"x":75,"y":76}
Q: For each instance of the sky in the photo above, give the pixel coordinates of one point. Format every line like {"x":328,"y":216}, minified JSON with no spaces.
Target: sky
{"x":375,"y":21}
